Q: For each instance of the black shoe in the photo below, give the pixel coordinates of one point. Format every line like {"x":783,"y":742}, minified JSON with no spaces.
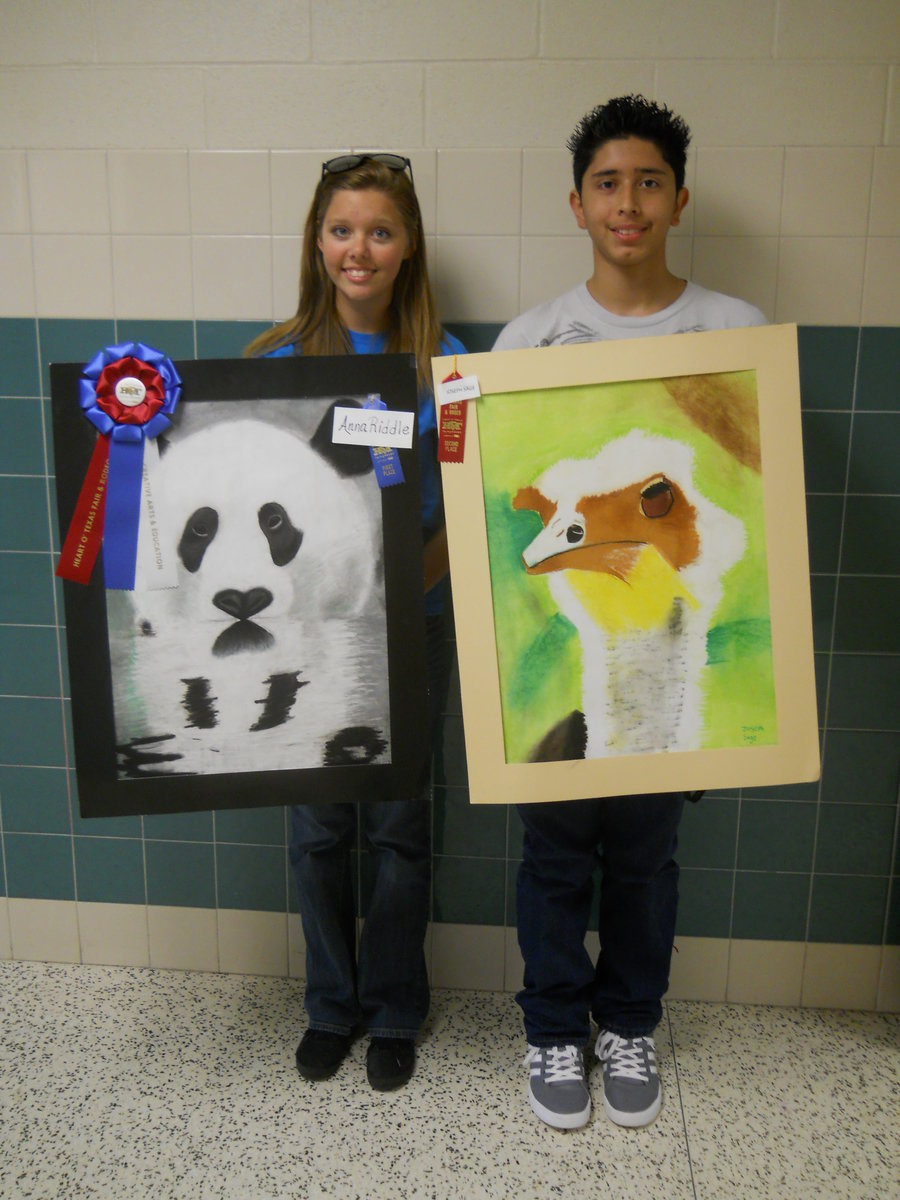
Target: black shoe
{"x":389,"y":1062}
{"x":321,"y":1052}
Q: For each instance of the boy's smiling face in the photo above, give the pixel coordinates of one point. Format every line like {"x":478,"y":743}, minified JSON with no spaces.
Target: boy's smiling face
{"x":628,"y":203}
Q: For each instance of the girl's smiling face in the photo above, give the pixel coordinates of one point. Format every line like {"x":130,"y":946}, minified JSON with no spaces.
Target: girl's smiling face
{"x":363,"y":243}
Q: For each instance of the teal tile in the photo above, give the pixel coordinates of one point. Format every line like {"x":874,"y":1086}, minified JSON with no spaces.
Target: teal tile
{"x":871,"y":545}
{"x":26,"y":589}
{"x":31,"y":733}
{"x":181,"y":874}
{"x":827,"y":365}
{"x":470,"y":830}
{"x":3,"y":891}
{"x":47,"y":448}
{"x":776,"y":836}
{"x":770,"y":907}
{"x":175,"y":339}
{"x":23,"y":513}
{"x":849,"y":909}
{"x":450,"y":757}
{"x":251,"y":826}
{"x":293,"y":900}
{"x":227,"y":339}
{"x":798,"y":792}
{"x":251,"y":877}
{"x":892,"y":924}
{"x":823,"y":521}
{"x":180,"y":827}
{"x":867,"y":614}
{"x":39,"y":866}
{"x":823,"y":589}
{"x":19,"y":375}
{"x":515,"y":836}
{"x":855,"y":839}
{"x":707,"y":835}
{"x":22,"y":443}
{"x":29,"y":662}
{"x":861,"y":768}
{"x":826,"y":442}
{"x":469,"y":891}
{"x":77,"y":341}
{"x":820,"y":666}
{"x":878,"y":382}
{"x":873,"y":454}
{"x":110,"y":870}
{"x":34,"y":800}
{"x":113,"y":827}
{"x":476,"y":336}
{"x":704,"y":907}
{"x":865,"y":692}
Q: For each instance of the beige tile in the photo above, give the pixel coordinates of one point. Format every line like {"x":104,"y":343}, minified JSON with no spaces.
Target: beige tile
{"x":43,"y":930}
{"x":881,"y":294}
{"x":776,"y":103}
{"x":553,"y":265}
{"x":513,"y":963}
{"x":183,"y":939}
{"x":820,"y":280}
{"x":114,"y":934}
{"x":477,"y":278}
{"x":546,"y":184}
{"x":5,"y":946}
{"x":746,"y":267}
{"x":152,"y":277}
{"x":284,"y":107}
{"x":232,"y":278}
{"x":294,"y":176}
{"x":296,"y":947}
{"x":680,"y":256}
{"x":699,"y":969}
{"x":72,"y":275}
{"x":884,"y":211}
{"x":868,"y":29}
{"x":888,"y":999}
{"x":479,"y":191}
{"x":738,"y":191}
{"x":838,"y":976}
{"x":17,"y":275}
{"x":285,"y":276}
{"x":892,"y":123}
{"x":816,"y":184}
{"x":64,"y":34}
{"x":765,"y":972}
{"x":68,"y":191}
{"x":425,"y":168}
{"x":148,"y":191}
{"x":467,"y":956}
{"x":229,"y":191}
{"x":15,"y":214}
{"x":253,"y":943}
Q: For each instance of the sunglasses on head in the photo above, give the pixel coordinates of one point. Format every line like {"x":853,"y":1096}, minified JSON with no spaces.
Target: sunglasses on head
{"x":348,"y":162}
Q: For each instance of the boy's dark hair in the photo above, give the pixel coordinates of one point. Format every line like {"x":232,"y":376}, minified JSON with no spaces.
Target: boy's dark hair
{"x":630,"y":116}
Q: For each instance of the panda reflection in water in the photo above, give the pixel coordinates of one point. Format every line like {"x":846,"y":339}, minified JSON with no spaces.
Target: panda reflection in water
{"x":271,"y":654}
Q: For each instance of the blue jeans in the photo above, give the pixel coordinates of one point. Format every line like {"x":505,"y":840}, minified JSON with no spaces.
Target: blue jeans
{"x":633,"y":839}
{"x":382,"y":987}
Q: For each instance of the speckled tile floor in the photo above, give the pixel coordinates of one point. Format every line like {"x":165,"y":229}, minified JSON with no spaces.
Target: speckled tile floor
{"x":129,"y":1084}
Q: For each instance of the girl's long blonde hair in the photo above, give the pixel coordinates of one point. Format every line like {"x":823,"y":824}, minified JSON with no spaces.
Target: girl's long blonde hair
{"x":316,"y":328}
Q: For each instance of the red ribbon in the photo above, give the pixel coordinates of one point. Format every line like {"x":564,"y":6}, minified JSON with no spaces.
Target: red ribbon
{"x":82,"y":544}
{"x":452,"y":427}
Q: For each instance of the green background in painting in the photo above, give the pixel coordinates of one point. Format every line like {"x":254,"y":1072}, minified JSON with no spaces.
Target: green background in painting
{"x":538,"y":651}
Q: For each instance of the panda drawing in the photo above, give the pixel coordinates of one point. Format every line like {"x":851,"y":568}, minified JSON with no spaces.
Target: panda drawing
{"x":270,"y":653}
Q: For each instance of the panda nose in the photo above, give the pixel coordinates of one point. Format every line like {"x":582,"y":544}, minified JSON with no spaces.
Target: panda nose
{"x":242,"y":605}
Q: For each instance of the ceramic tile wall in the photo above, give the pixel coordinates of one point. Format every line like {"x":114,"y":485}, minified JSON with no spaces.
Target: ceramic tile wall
{"x":156,"y":185}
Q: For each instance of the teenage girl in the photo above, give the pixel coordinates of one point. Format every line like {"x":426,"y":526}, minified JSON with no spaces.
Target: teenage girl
{"x":364,"y":290}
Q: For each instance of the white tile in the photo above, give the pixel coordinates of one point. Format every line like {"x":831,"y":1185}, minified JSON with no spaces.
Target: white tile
{"x":296,"y":947}
{"x":232,"y":278}
{"x":294,"y":177}
{"x":738,"y":191}
{"x":152,"y":277}
{"x":17,"y":275}
{"x":72,"y":275}
{"x":868,"y":29}
{"x":467,"y":956}
{"x":285,"y":276}
{"x":889,"y":980}
{"x":838,"y":976}
{"x":820,"y":280}
{"x":14,"y":207}
{"x":746,"y":267}
{"x":230,"y":191}
{"x":881,"y":294}
{"x":553,"y":265}
{"x":114,"y":934}
{"x":148,"y":191}
{"x":479,"y":191}
{"x":765,"y":972}
{"x":43,"y":930}
{"x":476,"y":279}
{"x":816,"y":186}
{"x":62,"y":33}
{"x":699,"y":969}
{"x":884,"y":213}
{"x":253,"y":943}
{"x":546,"y":184}
{"x":5,"y":946}
{"x":68,"y":191}
{"x":183,"y":938}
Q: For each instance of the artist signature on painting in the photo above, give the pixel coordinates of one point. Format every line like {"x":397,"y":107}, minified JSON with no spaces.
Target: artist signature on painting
{"x":752,"y":733}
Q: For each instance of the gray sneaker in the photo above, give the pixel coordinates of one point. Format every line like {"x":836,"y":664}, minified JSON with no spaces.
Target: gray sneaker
{"x":631,"y":1092}
{"x":557,"y":1089}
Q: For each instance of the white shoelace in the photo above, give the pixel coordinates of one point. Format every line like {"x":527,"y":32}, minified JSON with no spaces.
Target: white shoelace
{"x":563,"y":1063}
{"x":626,"y":1057}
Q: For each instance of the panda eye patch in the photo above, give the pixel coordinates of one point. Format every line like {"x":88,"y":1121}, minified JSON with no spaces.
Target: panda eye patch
{"x":284,"y":540}
{"x":657,"y":498}
{"x":199,"y":530}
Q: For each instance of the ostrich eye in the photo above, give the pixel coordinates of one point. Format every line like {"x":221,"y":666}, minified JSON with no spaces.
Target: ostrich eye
{"x":657,"y":498}
{"x":574,"y":533}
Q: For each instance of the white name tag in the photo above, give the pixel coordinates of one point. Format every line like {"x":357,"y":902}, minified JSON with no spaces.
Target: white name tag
{"x":454,"y":390}
{"x":373,"y":427}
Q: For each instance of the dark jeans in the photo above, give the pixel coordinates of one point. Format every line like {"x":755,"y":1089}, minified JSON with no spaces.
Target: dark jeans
{"x":633,"y":839}
{"x":383,"y":986}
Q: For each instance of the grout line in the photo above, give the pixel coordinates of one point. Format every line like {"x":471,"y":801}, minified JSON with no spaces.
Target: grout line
{"x":687,"y":1141}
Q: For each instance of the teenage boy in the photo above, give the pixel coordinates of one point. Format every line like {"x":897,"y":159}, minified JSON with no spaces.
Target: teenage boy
{"x":629,"y":161}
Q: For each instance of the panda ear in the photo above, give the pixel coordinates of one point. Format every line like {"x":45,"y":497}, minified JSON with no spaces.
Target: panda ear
{"x":346,"y":460}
